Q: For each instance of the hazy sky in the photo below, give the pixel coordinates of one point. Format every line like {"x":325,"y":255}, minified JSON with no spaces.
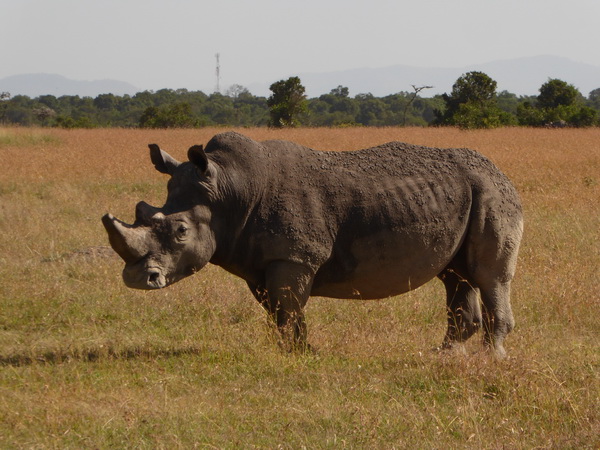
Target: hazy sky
{"x":154,"y":44}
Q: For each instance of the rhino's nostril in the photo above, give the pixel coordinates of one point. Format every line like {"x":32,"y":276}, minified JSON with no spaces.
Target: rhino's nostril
{"x":155,"y":279}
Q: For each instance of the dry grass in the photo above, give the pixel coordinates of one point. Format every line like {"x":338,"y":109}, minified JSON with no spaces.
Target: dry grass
{"x":85,"y":362}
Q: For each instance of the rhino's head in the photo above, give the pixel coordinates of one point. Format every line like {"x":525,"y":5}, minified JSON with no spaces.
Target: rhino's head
{"x":167,"y":244}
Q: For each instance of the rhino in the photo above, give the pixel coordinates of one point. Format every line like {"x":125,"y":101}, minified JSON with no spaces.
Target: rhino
{"x":294,"y":222}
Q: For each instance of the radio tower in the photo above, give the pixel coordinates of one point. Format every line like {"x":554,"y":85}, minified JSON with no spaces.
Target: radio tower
{"x":218,"y":74}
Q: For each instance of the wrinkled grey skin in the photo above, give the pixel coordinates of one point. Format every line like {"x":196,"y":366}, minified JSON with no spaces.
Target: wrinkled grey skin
{"x":295,"y":222}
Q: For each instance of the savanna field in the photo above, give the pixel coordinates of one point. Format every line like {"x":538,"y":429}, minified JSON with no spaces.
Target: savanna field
{"x":87,"y":363}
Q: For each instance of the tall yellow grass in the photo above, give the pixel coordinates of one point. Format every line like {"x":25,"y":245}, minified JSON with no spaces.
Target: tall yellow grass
{"x":85,"y":362}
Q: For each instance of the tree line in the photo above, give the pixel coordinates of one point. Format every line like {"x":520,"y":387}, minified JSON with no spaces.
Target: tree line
{"x":473,"y":103}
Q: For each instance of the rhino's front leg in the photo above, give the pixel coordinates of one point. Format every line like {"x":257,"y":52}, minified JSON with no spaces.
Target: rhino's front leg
{"x":288,"y":287}
{"x":464,"y":310}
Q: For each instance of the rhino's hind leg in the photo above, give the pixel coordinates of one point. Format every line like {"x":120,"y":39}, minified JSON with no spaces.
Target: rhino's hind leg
{"x":491,"y":261}
{"x":498,"y":318}
{"x":463,"y":307}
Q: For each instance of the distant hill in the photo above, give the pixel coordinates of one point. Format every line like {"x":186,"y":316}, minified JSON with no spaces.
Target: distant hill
{"x":525,"y":76}
{"x":522,"y":76}
{"x":34,"y":85}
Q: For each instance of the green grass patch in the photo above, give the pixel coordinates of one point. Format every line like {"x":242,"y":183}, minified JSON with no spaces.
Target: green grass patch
{"x":24,"y":139}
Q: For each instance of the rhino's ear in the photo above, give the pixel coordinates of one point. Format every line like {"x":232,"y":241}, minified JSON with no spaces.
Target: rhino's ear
{"x":197,"y":156}
{"x":163,"y":162}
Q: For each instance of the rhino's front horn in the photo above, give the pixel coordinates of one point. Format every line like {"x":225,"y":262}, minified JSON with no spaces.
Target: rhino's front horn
{"x":129,"y":242}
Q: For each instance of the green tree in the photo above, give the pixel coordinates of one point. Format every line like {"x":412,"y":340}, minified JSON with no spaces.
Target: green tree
{"x":287,"y":102}
{"x":472,"y":116}
{"x":528,"y":115}
{"x":340,"y":91}
{"x":178,"y":115}
{"x":251,"y":110}
{"x":106,"y":102}
{"x":17,"y":110}
{"x":558,"y":103}
{"x":373,"y":111}
{"x":473,"y":104}
{"x":473,"y":87}
{"x":220,"y":109}
{"x":508,"y":102}
{"x":65,"y":122}
{"x":585,"y":117}
{"x":48,"y":100}
{"x":594,"y":99}
{"x":555,"y":93}
{"x":143,"y":99}
{"x":149,"y":117}
{"x":334,"y":109}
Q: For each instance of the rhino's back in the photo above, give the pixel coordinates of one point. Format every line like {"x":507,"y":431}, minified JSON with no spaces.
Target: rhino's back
{"x":389,"y":185}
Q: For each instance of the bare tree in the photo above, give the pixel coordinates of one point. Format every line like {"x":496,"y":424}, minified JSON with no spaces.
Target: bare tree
{"x":412,"y":99}
{"x":235,"y":90}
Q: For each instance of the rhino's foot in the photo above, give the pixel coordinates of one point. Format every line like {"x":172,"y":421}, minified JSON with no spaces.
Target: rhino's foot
{"x":497,"y":352}
{"x":288,"y":340}
{"x":494,"y":349}
{"x":452,"y":346}
{"x":295,"y":347}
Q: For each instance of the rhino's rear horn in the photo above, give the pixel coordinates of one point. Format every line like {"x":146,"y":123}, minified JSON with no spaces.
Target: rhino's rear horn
{"x":127,"y":241}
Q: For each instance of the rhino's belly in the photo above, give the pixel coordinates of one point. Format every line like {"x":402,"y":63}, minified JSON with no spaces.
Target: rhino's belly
{"x":386,"y":264}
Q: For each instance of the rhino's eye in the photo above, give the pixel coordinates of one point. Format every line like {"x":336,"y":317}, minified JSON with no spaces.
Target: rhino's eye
{"x":182,"y":231}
